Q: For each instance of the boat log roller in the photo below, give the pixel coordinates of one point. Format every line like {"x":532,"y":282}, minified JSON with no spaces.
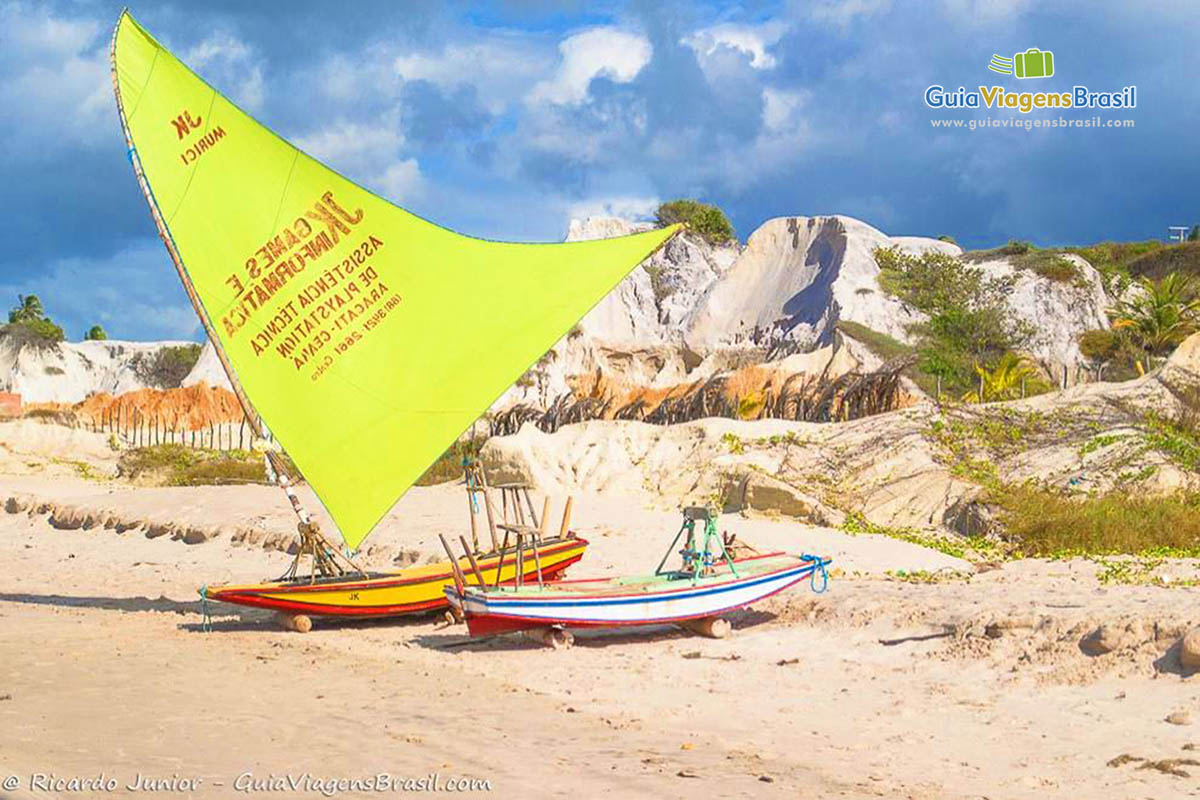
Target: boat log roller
{"x":327,"y":307}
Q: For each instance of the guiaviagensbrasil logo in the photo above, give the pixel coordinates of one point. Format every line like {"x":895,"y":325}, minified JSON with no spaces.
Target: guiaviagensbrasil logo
{"x":1030,"y":63}
{"x":1033,"y":63}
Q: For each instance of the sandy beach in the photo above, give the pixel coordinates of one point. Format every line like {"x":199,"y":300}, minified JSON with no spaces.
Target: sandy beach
{"x":971,"y":685}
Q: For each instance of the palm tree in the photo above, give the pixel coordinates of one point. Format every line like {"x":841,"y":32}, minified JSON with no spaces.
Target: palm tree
{"x":1004,"y":381}
{"x":1159,"y":315}
{"x":29,"y":309}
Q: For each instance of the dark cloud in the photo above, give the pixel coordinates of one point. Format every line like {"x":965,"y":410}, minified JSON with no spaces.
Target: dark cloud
{"x":831,"y":121}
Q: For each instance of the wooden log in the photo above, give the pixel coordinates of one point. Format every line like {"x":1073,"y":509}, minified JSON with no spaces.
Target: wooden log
{"x":545,"y":517}
{"x":566,"y":518}
{"x":459,"y":581}
{"x":474,"y":563}
{"x":520,"y":560}
{"x":557,"y":638}
{"x":529,"y":503}
{"x":500,"y":563}
{"x":712,"y":627}
{"x":487,"y":505}
{"x":300,"y":623}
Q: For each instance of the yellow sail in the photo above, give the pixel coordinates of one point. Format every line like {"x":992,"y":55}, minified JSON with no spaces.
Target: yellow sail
{"x":364,"y":336}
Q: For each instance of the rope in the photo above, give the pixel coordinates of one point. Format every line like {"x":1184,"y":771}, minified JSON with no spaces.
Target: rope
{"x":206,"y":625}
{"x":818,"y":564}
{"x":466,"y":462}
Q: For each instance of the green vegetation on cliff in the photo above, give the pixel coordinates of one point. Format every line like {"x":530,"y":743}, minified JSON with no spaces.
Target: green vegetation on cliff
{"x":969,"y":322}
{"x":703,"y":219}
{"x":28,"y":323}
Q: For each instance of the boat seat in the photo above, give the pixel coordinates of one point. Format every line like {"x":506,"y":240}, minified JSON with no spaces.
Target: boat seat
{"x":528,"y":530}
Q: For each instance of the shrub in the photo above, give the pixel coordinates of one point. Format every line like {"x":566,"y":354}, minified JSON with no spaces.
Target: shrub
{"x":95,"y":334}
{"x":889,"y":348}
{"x":1051,"y":265}
{"x":969,"y":322}
{"x":179,"y":465}
{"x":945,"y":237}
{"x":28,"y":324}
{"x":167,"y":367}
{"x":1012,"y":377}
{"x":38,"y":333}
{"x":1013,"y":248}
{"x":1160,"y":315}
{"x":1099,"y":345}
{"x":1162,"y":261}
{"x":703,"y":219}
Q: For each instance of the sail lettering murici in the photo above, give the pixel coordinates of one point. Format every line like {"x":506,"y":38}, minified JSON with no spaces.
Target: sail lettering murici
{"x":365,"y":337}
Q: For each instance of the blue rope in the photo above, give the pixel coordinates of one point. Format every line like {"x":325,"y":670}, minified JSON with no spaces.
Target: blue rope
{"x":206,"y":626}
{"x":818,"y":564}
{"x":466,"y":462}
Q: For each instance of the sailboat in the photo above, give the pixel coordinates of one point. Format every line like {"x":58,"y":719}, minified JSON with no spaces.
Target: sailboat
{"x":698,"y":594}
{"x":364,"y":338}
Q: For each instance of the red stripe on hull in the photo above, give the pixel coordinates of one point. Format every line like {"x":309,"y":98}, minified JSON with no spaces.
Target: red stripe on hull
{"x":323,"y":610}
{"x":493,"y":624}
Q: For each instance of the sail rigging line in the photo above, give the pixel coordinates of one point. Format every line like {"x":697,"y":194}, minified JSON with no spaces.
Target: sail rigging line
{"x":164,"y":234}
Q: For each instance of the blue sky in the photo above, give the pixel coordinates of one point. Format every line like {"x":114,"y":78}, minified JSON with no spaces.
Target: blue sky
{"x":506,"y":119}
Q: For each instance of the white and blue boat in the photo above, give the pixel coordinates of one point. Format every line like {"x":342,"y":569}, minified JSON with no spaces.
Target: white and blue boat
{"x":710,"y":583}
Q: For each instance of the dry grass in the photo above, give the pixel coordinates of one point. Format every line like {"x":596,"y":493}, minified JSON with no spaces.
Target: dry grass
{"x":1044,"y":522}
{"x":177,"y":465}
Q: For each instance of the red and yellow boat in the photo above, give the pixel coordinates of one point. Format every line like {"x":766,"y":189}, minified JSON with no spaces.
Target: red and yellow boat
{"x":385,"y":594}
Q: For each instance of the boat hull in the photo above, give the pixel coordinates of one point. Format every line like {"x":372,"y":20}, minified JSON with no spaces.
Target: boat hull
{"x":603,"y":603}
{"x":415,"y":589}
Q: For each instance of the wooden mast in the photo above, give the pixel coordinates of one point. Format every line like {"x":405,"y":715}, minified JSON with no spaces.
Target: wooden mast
{"x":311,"y":538}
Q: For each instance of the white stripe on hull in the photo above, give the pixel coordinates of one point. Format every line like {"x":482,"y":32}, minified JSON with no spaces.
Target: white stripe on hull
{"x":560,"y":608}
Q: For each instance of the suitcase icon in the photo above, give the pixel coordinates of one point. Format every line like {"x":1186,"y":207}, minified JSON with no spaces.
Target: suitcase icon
{"x":1034,"y":63}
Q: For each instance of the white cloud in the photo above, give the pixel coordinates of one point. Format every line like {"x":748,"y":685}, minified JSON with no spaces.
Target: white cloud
{"x":600,"y":52}
{"x":54,"y":83}
{"x":753,"y":41}
{"x":355,"y":148}
{"x":501,"y":66}
{"x":780,"y":108}
{"x":632,"y":207}
{"x":401,"y":182}
{"x":231,"y":66}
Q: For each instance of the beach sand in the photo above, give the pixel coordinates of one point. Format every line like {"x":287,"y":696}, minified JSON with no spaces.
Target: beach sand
{"x":974,"y":685}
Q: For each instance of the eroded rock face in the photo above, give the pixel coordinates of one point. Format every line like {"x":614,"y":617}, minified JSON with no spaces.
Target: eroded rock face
{"x":1057,"y":312}
{"x":208,"y":370}
{"x":796,"y":277}
{"x":68,"y":372}
{"x":694,"y":310}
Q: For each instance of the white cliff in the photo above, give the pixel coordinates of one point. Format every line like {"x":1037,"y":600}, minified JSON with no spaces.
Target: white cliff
{"x":69,"y":372}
